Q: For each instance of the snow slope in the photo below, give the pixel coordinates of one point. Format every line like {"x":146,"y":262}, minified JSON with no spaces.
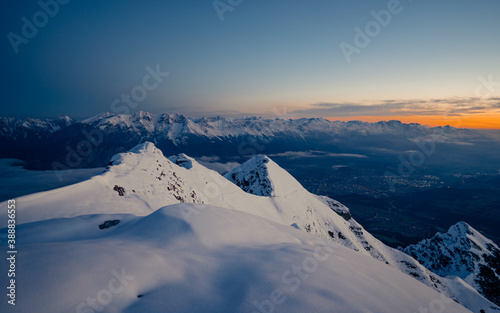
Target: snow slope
{"x":219,"y":260}
{"x":464,"y":252}
{"x":143,"y":180}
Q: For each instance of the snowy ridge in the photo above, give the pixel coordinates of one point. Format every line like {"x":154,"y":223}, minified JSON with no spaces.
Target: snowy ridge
{"x":177,"y":127}
{"x":464,"y":252}
{"x":142,"y":180}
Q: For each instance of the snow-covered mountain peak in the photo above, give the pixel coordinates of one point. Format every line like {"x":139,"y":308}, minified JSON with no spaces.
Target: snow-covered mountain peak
{"x":456,"y":252}
{"x":464,"y":252}
{"x":98,"y":117}
{"x":253,"y":176}
{"x":462,"y":229}
{"x":136,"y":155}
{"x":64,"y":118}
{"x":143,"y":115}
{"x":263,"y":177}
{"x":146,"y":147}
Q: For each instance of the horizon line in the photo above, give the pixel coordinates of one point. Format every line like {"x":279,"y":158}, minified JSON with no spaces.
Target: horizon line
{"x":457,"y":121}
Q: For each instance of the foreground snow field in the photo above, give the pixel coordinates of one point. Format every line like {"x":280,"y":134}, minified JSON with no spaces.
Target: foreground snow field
{"x":218,"y":260}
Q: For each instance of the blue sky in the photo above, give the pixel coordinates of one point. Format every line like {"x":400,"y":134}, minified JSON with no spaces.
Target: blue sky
{"x":264,"y":55}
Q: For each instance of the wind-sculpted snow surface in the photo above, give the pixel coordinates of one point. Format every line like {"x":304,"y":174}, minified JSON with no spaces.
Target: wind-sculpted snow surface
{"x":218,"y":260}
{"x":141,"y":181}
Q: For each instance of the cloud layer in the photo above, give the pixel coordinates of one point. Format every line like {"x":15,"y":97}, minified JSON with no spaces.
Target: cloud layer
{"x":447,"y":106}
{"x":315,"y":154}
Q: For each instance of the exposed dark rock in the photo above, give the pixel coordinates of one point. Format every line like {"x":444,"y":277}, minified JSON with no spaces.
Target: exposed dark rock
{"x":489,"y":284}
{"x":339,"y":209}
{"x":108,"y":224}
{"x":120,"y":190}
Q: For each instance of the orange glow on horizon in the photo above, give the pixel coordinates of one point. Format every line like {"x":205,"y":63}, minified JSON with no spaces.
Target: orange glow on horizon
{"x":485,"y":121}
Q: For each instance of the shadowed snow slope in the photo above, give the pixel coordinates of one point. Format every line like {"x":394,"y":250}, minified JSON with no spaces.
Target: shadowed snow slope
{"x":141,"y":181}
{"x":218,"y":260}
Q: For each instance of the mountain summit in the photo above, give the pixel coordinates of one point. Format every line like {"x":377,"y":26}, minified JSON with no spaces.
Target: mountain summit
{"x":464,"y":252}
{"x":262,"y":177}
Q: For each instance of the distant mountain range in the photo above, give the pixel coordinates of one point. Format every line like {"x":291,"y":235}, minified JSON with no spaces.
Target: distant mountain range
{"x":66,"y":143}
{"x":177,"y":127}
{"x":142,"y":180}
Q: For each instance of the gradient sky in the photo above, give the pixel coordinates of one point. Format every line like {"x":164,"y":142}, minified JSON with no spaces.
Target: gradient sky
{"x":282,"y":57}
